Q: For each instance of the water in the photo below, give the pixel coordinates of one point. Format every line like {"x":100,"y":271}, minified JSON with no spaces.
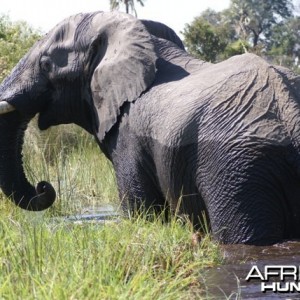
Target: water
{"x":95,"y":215}
{"x":101,"y":215}
{"x":228,"y":281}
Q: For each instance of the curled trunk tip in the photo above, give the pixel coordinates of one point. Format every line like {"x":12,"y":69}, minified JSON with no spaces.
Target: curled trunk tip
{"x":43,"y":198}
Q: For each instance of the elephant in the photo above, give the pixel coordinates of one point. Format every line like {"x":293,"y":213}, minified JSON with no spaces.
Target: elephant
{"x":216,"y":141}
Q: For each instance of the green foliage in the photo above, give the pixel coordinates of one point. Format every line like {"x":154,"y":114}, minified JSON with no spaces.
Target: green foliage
{"x":267,"y":28}
{"x":255,"y":18}
{"x":283,"y":45}
{"x":235,"y":48}
{"x":204,"y":39}
{"x":15,"y":41}
{"x":210,"y":37}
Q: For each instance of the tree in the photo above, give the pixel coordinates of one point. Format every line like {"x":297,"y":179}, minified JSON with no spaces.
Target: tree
{"x":254,"y":20}
{"x":209,"y":38}
{"x":267,"y":28}
{"x":129,"y":5}
{"x":284,"y":44}
{"x":15,"y":40}
{"x":202,"y":40}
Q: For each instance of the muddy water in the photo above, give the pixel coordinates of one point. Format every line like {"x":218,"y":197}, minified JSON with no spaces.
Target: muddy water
{"x":228,"y":281}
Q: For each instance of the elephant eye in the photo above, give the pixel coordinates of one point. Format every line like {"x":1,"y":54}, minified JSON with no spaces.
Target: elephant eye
{"x":45,"y":64}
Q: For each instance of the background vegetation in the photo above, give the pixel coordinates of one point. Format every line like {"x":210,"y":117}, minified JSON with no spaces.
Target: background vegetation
{"x":269,"y":28}
{"x":15,"y":40}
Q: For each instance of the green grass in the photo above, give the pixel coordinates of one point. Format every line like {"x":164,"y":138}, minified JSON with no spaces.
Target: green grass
{"x":43,"y":256}
{"x":71,"y":160}
{"x":132,"y":259}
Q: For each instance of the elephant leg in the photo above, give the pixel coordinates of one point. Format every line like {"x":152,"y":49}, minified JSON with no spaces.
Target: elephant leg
{"x":139,"y":191}
{"x":188,"y":204}
{"x":140,"y":195}
{"x":247,"y":201}
{"x":249,"y":219}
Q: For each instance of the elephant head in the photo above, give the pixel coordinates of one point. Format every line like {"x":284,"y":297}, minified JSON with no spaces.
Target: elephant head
{"x":81,"y":72}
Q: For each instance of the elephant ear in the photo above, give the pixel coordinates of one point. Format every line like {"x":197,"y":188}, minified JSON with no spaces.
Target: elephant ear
{"x":122,"y":60}
{"x":162,"y":31}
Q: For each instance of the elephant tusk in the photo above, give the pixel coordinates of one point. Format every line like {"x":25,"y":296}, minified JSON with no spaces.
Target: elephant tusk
{"x":5,"y":107}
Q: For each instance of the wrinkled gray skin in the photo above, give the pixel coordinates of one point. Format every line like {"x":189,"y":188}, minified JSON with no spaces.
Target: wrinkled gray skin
{"x":221,"y":140}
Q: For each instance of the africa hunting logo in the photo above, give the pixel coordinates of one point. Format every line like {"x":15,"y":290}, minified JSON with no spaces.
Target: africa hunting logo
{"x":276,"y":278}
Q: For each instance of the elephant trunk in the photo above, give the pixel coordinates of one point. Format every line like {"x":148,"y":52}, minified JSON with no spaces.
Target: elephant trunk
{"x":13,"y":181}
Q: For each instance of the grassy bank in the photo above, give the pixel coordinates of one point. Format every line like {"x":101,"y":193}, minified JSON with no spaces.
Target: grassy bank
{"x":136,"y":259}
{"x":45,"y":257}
